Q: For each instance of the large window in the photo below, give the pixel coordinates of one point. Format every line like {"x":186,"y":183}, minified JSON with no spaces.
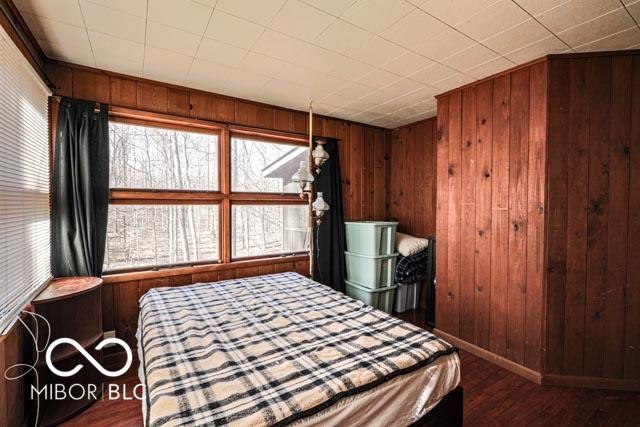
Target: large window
{"x":24,"y":182}
{"x":178,"y":199}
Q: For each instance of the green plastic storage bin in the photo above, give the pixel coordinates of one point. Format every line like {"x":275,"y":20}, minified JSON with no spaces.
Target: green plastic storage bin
{"x":371,"y":271}
{"x":380,"y":298}
{"x":371,"y":237}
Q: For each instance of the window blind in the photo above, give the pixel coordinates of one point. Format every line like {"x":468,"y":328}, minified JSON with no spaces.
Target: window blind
{"x":24,"y":182}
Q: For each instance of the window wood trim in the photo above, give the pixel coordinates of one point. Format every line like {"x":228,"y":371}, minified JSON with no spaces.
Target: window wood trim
{"x":224,"y":197}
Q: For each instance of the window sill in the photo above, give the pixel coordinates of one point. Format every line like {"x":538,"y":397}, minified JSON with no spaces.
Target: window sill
{"x":177,"y":271}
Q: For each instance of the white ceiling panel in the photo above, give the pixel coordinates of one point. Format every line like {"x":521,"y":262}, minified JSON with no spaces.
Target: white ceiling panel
{"x":380,"y":61}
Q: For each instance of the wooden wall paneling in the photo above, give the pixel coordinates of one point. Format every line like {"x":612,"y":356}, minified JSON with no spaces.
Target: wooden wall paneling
{"x":282,"y":267}
{"x":267,"y":269}
{"x":442,"y":213}
{"x":61,"y":79}
{"x":454,"y":214}
{"x":264,"y":117}
{"x":559,"y":134}
{"x":344,"y":151}
{"x":468,"y":213}
{"x":500,"y":152}
{"x":599,"y":128}
{"x":125,"y":310}
{"x":536,"y":182}
{"x":355,"y":172}
{"x":283,"y":120}
{"x":107,"y":308}
{"x":330,"y":128}
{"x":380,"y":164}
{"x":419,"y":183}
{"x":90,"y":85}
{"x":225,"y":109}
{"x":387,"y":170}
{"x":247,"y":272}
{"x":577,"y":205}
{"x":367,"y":187}
{"x":482,"y":259}
{"x":209,"y":276}
{"x":231,"y":273}
{"x":123,"y":92}
{"x":396,"y":188}
{"x":178,"y":102}
{"x":245,"y":113}
{"x":518,"y":172}
{"x":301,"y":122}
{"x":408,"y":203}
{"x":632,"y":310}
{"x":152,"y":97}
{"x":203,"y":105}
{"x":163,"y":282}
{"x":618,"y":215}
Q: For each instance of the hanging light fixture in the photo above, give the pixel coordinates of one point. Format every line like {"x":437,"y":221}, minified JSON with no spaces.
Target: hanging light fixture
{"x":319,"y":155}
{"x":319,"y":207}
{"x":303,"y":177}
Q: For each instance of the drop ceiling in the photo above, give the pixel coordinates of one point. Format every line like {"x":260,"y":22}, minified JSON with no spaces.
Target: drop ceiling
{"x":373,"y":61}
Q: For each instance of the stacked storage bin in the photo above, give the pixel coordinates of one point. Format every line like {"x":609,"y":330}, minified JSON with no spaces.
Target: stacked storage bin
{"x":371,"y":262}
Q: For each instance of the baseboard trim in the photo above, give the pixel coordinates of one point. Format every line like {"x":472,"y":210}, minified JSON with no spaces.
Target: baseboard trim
{"x":507,"y":364}
{"x":621,"y":384}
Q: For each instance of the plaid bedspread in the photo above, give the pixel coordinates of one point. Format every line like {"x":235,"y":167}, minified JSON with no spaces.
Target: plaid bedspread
{"x":267,"y":350}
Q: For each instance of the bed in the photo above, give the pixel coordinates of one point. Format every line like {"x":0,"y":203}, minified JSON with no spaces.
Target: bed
{"x":282,"y":349}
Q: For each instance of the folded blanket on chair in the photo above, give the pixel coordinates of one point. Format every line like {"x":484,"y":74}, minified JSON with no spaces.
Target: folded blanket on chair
{"x":411,"y":269}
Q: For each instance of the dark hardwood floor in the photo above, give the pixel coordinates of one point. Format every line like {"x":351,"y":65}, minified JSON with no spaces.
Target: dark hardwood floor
{"x":493,"y":396}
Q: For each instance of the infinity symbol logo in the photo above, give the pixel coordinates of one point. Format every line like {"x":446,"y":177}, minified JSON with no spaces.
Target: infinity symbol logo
{"x":87,"y":356}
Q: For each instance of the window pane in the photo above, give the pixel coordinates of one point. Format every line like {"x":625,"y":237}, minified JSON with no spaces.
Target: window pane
{"x":164,"y":159}
{"x":269,"y":229}
{"x":148,"y":235}
{"x":264,"y":167}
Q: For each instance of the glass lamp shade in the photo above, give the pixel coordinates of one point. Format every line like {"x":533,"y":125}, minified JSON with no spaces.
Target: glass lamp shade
{"x":302,"y":176}
{"x":319,"y":207}
{"x":320,"y":156}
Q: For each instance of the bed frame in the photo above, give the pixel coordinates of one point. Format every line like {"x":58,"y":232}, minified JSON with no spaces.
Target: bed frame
{"x":447,"y":413}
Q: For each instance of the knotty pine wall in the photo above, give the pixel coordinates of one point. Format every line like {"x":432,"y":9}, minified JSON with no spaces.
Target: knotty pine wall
{"x":363,"y":163}
{"x":490,"y":214}
{"x":593,"y":303}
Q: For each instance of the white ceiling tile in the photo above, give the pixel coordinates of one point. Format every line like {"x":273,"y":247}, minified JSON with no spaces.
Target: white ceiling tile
{"x":104,"y":45}
{"x":164,"y":65}
{"x":336,"y":99}
{"x":261,"y":64}
{"x":342,"y":37}
{"x":333,"y":7}
{"x":453,"y":82}
{"x":64,"y":37}
{"x":299,"y":75}
{"x":245,"y":83}
{"x":378,"y":78}
{"x":187,"y":16}
{"x":406,"y":63}
{"x":536,"y":7}
{"x":432,"y":73}
{"x":602,"y":26}
{"x":278,"y":45}
{"x":208,"y":75}
{"x":286,"y":93}
{"x":523,"y":34}
{"x":575,"y":12}
{"x":623,"y":40}
{"x":233,"y":30}
{"x":260,"y":12}
{"x":119,"y":65}
{"x":350,"y":69}
{"x":496,"y":18}
{"x":317,"y":58}
{"x":536,"y":50}
{"x":354,"y":91}
{"x":222,"y":53}
{"x":132,"y":7}
{"x":377,"y":15}
{"x":445,"y":44}
{"x":453,"y":11}
{"x":78,"y":53}
{"x":489,"y":68}
{"x":113,"y":22}
{"x":376,"y":51}
{"x":634,"y":10}
{"x":327,"y":84}
{"x":424,"y":94}
{"x":301,"y":21}
{"x":470,"y":57}
{"x":67,"y":11}
{"x":401,"y":87}
{"x":413,"y":29}
{"x":173,"y":39}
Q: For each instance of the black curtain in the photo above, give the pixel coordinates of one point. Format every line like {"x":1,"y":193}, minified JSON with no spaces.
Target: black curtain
{"x":80,"y":199}
{"x":329,"y":237}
